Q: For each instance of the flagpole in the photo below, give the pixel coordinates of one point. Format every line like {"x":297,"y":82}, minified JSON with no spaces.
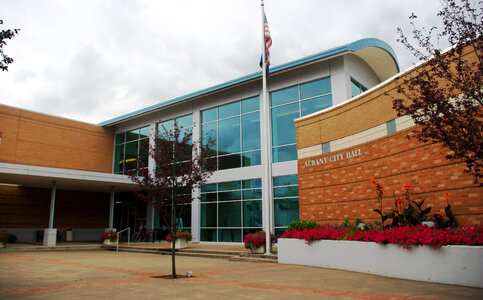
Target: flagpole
{"x":268,"y":186}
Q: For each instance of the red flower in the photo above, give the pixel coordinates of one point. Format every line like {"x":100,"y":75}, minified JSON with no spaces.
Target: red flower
{"x":446,"y":196}
{"x":373,"y":180}
{"x":399,"y":201}
{"x":379,"y":187}
{"x":407,"y":186}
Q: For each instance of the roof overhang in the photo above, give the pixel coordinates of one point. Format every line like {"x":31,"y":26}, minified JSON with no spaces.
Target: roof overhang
{"x":376,"y":53}
{"x":66,"y":179}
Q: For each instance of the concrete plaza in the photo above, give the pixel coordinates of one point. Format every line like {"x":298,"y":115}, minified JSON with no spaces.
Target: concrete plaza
{"x":103,"y":274}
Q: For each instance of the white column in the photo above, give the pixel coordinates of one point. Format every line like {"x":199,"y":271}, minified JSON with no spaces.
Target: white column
{"x":196,"y":192}
{"x":50,"y":234}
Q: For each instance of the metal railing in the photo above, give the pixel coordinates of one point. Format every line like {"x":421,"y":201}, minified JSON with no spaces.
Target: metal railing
{"x":128,"y":237}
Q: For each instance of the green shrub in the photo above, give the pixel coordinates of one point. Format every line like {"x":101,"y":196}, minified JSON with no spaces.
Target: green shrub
{"x":302,"y":225}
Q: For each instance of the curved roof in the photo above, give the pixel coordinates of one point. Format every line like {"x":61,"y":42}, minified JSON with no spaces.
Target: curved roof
{"x":378,"y":55}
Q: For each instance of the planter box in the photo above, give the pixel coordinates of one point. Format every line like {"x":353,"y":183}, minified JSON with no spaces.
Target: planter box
{"x":459,"y":265}
{"x":180,"y":244}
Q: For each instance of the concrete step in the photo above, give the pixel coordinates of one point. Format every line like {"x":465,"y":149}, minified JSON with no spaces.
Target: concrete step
{"x":253,"y":259}
{"x":207,"y":253}
{"x":56,"y":248}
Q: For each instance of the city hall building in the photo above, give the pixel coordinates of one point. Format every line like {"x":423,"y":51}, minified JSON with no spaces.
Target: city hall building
{"x":58,"y":174}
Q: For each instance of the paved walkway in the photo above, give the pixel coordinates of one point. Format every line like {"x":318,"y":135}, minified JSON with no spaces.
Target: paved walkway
{"x":124,"y":275}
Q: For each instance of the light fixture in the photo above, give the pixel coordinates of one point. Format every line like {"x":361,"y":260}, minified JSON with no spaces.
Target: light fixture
{"x":10,"y":184}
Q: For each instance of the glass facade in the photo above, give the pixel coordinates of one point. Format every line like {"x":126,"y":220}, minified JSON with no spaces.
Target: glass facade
{"x":290,"y":103}
{"x":235,"y":128}
{"x":356,"y":87}
{"x":128,"y":145}
{"x":230,"y":210}
{"x":181,"y":155}
{"x":285,"y":201}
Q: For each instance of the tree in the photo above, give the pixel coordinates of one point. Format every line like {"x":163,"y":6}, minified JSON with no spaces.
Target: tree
{"x":444,"y":95}
{"x":4,"y":36}
{"x":179,"y":168}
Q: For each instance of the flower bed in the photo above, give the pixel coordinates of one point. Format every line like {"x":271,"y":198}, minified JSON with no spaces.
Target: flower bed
{"x":406,"y":236}
{"x":412,"y":252}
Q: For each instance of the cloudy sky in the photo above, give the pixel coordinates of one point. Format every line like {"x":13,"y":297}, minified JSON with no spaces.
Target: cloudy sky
{"x":93,"y":60}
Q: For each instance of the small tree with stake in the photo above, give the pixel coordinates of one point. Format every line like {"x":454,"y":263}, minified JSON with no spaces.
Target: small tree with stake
{"x":179,"y":168}
{"x":445,"y":96}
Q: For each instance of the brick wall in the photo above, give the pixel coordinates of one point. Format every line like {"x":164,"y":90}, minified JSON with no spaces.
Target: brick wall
{"x":36,"y":139}
{"x":332,"y":191}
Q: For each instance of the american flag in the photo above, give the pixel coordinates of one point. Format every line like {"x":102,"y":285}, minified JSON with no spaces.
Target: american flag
{"x":268,"y":44}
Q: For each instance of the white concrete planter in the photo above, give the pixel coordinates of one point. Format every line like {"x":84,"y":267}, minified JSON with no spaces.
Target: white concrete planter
{"x":459,"y":265}
{"x":257,"y":250}
{"x":180,"y":244}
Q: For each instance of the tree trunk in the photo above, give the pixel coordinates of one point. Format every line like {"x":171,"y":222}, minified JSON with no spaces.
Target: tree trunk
{"x":173,"y":246}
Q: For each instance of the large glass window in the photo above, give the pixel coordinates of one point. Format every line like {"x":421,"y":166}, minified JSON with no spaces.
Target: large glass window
{"x":230,"y":210}
{"x":290,"y":103}
{"x":286,"y":201}
{"x":235,"y":128}
{"x":128,"y":147}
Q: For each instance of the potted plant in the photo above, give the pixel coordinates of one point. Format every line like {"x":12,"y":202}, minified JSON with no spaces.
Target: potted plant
{"x":257,"y":241}
{"x":181,"y":239}
{"x":4,"y":238}
{"x":109,"y":237}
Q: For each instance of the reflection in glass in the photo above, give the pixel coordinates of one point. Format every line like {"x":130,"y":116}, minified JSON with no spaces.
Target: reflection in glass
{"x":229,"y":214}
{"x":252,"y":213}
{"x":229,"y":136}
{"x":283,"y":126}
{"x":251,"y":131}
{"x":286,"y":211}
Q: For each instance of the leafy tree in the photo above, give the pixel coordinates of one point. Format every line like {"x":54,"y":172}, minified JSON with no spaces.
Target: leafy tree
{"x":444,"y":95}
{"x":179,"y":167}
{"x":4,"y":36}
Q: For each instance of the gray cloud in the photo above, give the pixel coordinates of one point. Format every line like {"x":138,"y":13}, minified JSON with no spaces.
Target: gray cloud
{"x":94,"y":60}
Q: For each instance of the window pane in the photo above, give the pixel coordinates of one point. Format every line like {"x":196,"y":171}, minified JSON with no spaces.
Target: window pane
{"x":208,"y":197}
{"x":226,"y":196}
{"x":284,"y":96}
{"x":132,"y":135}
{"x":251,"y":104}
{"x":229,"y":136}
{"x":119,"y":159}
{"x":252,"y":158}
{"x":314,"y":88}
{"x":229,"y":235}
{"x":185,"y":122}
{"x":316,"y":104}
{"x":209,"y":115}
{"x":286,"y":191}
{"x":285,"y":153}
{"x":251,"y":131}
{"x":208,"y":215}
{"x":355,"y":89}
{"x":208,"y":235}
{"x":252,"y":213}
{"x":185,"y":219}
{"x":253,"y":183}
{"x":143,"y":151}
{"x":208,"y":187}
{"x":252,"y":194}
{"x":208,"y":132}
{"x":283,"y":126}
{"x":229,"y":214}
{"x":131,"y":155}
{"x":391,"y":127}
{"x":286,"y":211}
{"x":229,"y":162}
{"x":285,"y":180}
{"x":144,"y":132}
{"x":165,"y":127}
{"x":229,"y":110}
{"x":227,"y":186}
{"x":120,"y":138}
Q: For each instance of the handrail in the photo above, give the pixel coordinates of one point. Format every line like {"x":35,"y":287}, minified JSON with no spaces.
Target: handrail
{"x":128,"y":237}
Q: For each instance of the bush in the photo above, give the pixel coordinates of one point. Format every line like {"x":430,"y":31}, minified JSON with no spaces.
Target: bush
{"x":299,"y":225}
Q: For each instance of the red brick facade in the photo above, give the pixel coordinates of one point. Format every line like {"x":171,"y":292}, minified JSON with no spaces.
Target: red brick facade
{"x":332,"y":191}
